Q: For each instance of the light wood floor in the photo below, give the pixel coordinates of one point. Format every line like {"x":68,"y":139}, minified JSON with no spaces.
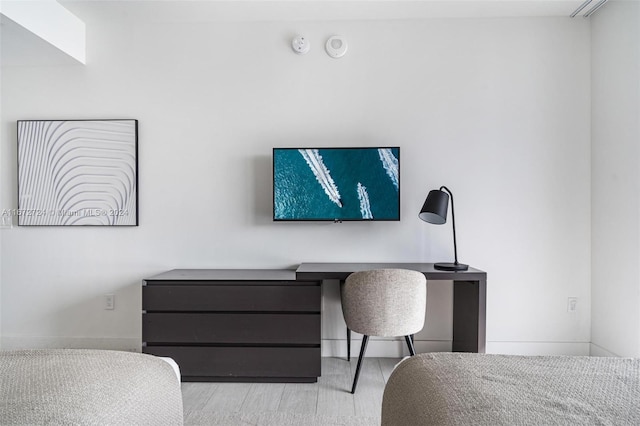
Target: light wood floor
{"x":329,"y":396}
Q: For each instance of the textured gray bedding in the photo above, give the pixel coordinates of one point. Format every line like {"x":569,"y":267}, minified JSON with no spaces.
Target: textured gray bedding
{"x":87,"y":387}
{"x":478,"y":389}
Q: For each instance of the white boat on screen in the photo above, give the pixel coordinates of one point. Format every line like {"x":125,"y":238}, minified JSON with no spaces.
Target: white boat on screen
{"x":320,"y":171}
{"x":390,"y":164}
{"x":365,"y":205}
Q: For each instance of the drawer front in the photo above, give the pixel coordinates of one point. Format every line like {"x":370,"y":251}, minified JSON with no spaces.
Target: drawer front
{"x":208,"y":328}
{"x":230,"y":298}
{"x":238,"y":282}
{"x":242,"y":362}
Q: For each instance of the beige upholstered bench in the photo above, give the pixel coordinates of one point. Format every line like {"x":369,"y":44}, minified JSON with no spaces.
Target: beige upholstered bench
{"x":87,"y":387}
{"x":480,"y":389}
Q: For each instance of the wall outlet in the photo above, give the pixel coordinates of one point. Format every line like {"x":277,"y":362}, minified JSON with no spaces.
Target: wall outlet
{"x":109,"y":302}
{"x":572,"y":305}
{"x":6,"y":222}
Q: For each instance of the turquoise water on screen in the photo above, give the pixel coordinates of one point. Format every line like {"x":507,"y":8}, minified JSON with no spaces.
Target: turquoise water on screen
{"x":300,"y":195}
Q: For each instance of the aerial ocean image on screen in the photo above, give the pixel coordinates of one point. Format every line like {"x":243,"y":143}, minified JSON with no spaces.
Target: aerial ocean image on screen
{"x":340,"y":184}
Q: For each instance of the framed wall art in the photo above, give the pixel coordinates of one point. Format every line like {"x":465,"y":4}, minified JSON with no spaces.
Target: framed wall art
{"x":77,"y":172}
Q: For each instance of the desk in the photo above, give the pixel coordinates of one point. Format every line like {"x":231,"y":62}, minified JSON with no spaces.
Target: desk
{"x":469,"y":295}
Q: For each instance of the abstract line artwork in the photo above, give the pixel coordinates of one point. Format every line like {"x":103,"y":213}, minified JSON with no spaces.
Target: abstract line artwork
{"x":78,"y":172}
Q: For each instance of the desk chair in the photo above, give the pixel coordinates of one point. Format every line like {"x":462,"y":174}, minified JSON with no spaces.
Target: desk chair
{"x":384,"y":303}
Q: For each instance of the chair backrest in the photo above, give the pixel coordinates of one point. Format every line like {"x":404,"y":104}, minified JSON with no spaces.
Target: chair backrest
{"x":385,"y":302}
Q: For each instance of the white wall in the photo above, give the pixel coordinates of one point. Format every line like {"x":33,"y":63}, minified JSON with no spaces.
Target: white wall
{"x":1,"y":191}
{"x":615,"y":62}
{"x":496,"y":109}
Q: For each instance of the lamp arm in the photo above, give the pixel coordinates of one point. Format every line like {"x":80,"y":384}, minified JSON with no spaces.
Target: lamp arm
{"x":453,"y":219}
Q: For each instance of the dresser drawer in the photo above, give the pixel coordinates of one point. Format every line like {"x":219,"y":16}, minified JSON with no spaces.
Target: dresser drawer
{"x":234,"y":297}
{"x":221,"y":328}
{"x":220,"y":363}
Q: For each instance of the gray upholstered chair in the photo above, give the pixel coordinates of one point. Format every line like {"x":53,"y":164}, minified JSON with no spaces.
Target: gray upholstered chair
{"x":384,"y":303}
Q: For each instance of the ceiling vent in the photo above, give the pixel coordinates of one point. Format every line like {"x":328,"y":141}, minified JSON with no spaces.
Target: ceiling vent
{"x":597,"y":5}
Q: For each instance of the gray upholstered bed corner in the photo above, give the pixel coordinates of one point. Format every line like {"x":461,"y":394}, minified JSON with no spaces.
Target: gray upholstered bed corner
{"x":87,"y":387}
{"x":478,"y":389}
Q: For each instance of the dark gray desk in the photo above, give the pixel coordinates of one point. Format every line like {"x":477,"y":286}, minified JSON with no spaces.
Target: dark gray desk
{"x":469,"y":295}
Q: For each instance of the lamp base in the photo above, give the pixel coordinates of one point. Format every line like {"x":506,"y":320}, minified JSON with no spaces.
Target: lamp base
{"x":451,"y":266}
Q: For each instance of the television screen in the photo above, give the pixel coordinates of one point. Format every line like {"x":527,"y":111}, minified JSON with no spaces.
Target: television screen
{"x":336,"y":184}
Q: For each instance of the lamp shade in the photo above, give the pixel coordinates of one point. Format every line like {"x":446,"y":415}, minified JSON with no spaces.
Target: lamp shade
{"x":434,"y":209}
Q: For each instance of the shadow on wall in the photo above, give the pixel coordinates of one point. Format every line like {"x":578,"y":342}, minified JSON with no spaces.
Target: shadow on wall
{"x":84,"y":323}
{"x":262,"y":169}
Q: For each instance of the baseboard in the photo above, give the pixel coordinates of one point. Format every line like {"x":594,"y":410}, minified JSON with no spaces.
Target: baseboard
{"x":49,"y":342}
{"x":595,"y":350}
{"x":397,"y":348}
{"x":377,"y":347}
{"x":539,"y":348}
{"x":382,"y":348}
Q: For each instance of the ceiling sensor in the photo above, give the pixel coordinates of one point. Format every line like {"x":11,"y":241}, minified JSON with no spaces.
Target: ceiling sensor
{"x":336,"y":46}
{"x":300,"y":45}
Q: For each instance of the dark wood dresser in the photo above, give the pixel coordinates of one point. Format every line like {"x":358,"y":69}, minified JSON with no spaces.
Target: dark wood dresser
{"x":234,"y":325}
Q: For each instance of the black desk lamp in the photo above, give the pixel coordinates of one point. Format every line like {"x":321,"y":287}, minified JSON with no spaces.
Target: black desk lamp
{"x":434,"y":211}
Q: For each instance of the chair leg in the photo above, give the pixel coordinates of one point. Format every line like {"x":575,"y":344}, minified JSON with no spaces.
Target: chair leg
{"x":348,"y":344}
{"x":365,"y":340}
{"x":410,"y":345}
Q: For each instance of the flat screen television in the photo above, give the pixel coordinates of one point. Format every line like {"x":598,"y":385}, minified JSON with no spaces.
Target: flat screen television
{"x":336,"y":184}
